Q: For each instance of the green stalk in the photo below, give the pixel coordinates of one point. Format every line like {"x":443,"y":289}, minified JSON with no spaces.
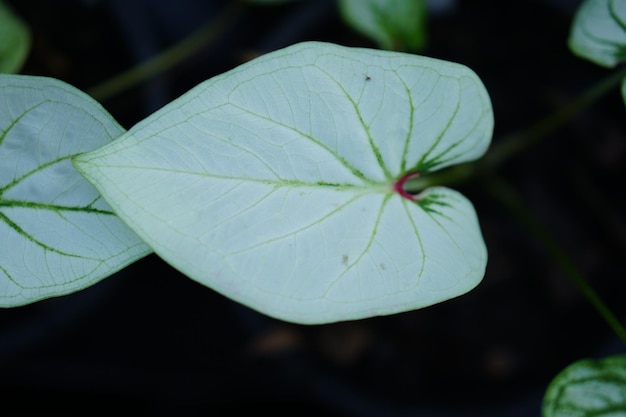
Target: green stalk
{"x":508,"y":197}
{"x":449,"y":176}
{"x":168,"y":58}
{"x":513,"y":144}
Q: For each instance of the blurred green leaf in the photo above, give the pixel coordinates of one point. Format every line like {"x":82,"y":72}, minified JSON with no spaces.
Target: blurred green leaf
{"x":14,"y":40}
{"x":398,"y":25}
{"x":270,"y":2}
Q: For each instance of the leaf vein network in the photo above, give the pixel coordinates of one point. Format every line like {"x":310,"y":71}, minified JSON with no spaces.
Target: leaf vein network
{"x":366,"y":249}
{"x":35,"y":241}
{"x":372,"y":143}
{"x":343,"y":161}
{"x":314,"y":223}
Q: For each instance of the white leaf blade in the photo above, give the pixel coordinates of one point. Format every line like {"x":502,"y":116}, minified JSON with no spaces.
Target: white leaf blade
{"x":289,"y":211}
{"x":58,"y":234}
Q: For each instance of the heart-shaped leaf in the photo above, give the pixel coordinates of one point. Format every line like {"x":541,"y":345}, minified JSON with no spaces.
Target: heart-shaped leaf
{"x":392,"y":24}
{"x":280,"y":183}
{"x":57,"y":235}
{"x":588,"y":388}
{"x":14,"y":40}
{"x":599,"y":32}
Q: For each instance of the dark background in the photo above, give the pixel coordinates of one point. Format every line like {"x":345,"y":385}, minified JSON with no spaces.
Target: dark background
{"x":150,"y":341}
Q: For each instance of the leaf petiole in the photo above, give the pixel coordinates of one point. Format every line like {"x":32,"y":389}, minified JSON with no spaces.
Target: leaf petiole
{"x":399,"y":186}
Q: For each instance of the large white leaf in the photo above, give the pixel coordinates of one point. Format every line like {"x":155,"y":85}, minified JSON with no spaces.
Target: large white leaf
{"x":599,"y":32}
{"x":278,"y":183}
{"x":57,"y":235}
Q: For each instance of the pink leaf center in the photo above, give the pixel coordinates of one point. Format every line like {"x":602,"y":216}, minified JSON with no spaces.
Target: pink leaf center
{"x":399,"y":185}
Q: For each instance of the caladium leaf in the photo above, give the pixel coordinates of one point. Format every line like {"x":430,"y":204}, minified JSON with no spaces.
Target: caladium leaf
{"x":15,"y":40}
{"x":57,"y":235}
{"x":280,"y":183}
{"x":392,"y":24}
{"x":588,"y":388}
{"x":599,"y":32}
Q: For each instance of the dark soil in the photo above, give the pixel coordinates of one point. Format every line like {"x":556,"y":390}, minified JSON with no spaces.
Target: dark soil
{"x":151,"y":341}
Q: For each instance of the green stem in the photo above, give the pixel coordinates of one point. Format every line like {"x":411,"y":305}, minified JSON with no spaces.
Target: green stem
{"x":168,"y":58}
{"x":506,"y":195}
{"x":513,"y":144}
{"x":450,"y":176}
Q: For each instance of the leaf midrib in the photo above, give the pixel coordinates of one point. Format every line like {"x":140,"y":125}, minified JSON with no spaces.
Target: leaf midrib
{"x":52,"y":207}
{"x":370,"y":186}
